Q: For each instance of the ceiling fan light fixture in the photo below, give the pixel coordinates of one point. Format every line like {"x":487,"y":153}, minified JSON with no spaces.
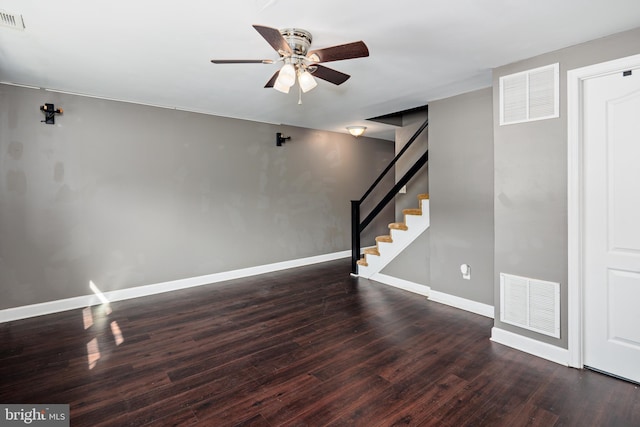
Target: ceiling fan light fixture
{"x":300,"y":63}
{"x":287,"y":75}
{"x":356,"y":130}
{"x":280,"y":87}
{"x":306,"y":81}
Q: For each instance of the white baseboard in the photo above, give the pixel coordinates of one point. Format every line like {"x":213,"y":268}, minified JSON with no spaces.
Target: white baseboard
{"x":462,"y":303}
{"x":33,"y":310}
{"x":402,"y":284}
{"x":531,"y":346}
{"x":435,"y":296}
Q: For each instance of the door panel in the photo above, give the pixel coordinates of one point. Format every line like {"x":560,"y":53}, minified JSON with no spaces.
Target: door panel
{"x":624,"y":163}
{"x":611,"y":125}
{"x":622,"y":298}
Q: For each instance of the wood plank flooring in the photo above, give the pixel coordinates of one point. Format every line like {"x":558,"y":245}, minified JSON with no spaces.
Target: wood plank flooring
{"x":310,"y":346}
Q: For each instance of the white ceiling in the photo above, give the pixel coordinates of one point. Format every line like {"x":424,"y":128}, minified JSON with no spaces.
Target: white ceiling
{"x":158,"y":51}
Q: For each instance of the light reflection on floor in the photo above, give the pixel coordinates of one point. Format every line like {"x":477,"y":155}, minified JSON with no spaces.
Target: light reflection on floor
{"x":90,"y":322}
{"x":93,"y":353}
{"x":87,"y":318}
{"x":117,"y":333}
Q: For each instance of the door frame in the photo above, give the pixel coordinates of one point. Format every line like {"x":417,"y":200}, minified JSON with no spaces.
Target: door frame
{"x":575,"y":197}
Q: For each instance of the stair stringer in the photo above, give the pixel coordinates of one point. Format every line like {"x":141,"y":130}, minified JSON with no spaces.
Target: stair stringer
{"x":416,"y":224}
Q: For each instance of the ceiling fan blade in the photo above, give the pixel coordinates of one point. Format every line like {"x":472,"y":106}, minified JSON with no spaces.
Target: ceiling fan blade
{"x":242,"y":61}
{"x":329,"y":74}
{"x":337,"y":53}
{"x":272,"y":80}
{"x":274,"y":38}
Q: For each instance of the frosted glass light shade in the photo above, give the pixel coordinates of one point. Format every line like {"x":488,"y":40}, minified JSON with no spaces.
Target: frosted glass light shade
{"x":287,"y":75}
{"x":356,"y":130}
{"x":306,"y":81}
{"x":280,"y":87}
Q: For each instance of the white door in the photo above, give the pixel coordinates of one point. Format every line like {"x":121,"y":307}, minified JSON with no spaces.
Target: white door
{"x":611,"y":125}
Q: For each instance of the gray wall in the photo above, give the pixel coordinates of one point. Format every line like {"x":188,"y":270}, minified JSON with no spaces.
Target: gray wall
{"x":460,"y":185}
{"x":413,"y":263}
{"x":128,"y":195}
{"x":461,"y":193}
{"x":531,"y":180}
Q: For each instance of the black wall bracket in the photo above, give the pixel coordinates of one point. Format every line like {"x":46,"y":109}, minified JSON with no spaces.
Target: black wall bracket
{"x":50,"y":113}
{"x":281,"y":139}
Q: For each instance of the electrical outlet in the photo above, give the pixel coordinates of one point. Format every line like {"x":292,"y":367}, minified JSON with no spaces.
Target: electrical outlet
{"x":465,"y":269}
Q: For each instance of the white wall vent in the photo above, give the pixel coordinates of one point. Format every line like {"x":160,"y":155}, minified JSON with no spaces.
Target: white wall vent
{"x":530,"y":304}
{"x":530,"y":95}
{"x":11,"y":20}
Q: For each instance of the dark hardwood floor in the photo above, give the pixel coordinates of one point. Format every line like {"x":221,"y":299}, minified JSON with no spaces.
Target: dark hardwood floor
{"x":305,"y":347}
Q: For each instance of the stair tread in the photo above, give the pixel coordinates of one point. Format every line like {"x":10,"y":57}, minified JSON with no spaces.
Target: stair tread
{"x":412,"y":211}
{"x":379,"y":263}
{"x":398,"y":226}
{"x":386,"y":239}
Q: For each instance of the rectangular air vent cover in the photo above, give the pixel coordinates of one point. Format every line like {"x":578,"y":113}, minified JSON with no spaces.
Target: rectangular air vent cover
{"x":11,"y":20}
{"x":530,"y":95}
{"x":531,"y":304}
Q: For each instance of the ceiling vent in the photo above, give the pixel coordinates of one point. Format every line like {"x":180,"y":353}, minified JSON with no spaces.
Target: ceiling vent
{"x":11,"y":20}
{"x":530,"y":95}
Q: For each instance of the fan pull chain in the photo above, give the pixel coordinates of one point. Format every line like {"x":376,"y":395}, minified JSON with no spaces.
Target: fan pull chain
{"x":299,"y":95}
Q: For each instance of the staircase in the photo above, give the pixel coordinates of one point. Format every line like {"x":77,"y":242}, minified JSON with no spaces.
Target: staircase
{"x":401,"y":234}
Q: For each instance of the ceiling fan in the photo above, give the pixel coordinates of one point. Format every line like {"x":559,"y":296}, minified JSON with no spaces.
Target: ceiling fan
{"x":292,"y":44}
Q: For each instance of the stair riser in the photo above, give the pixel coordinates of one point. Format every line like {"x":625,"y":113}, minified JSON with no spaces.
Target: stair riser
{"x":384,"y":246}
{"x":399,"y":238}
{"x":413,"y":221}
